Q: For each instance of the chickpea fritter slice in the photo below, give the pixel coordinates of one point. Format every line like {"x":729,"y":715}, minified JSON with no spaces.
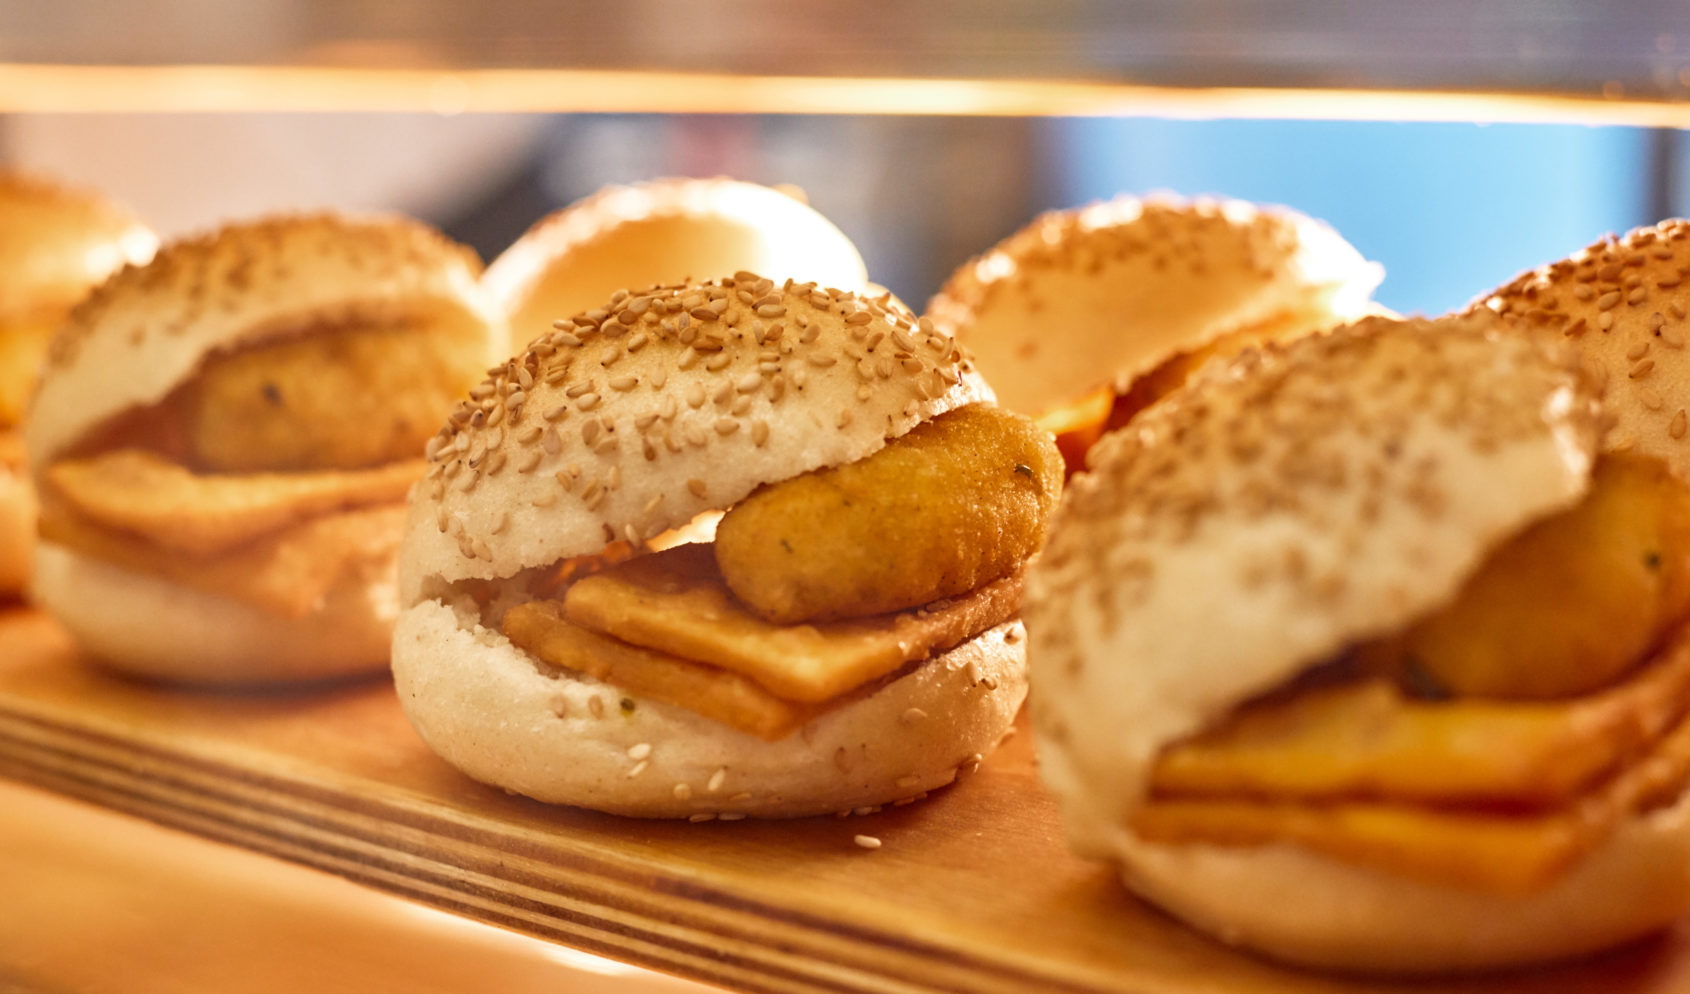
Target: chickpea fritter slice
{"x":957,"y":502}
{"x":338,"y":399}
{"x":1568,"y":606}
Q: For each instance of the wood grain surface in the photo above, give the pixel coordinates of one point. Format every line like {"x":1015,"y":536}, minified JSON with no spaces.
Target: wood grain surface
{"x":972,"y":890}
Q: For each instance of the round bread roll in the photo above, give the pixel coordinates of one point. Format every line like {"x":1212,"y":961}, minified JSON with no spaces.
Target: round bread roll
{"x":55,"y":245}
{"x":150,"y":332}
{"x":621,"y":425}
{"x":150,"y":627}
{"x":1301,"y":500}
{"x":1623,"y":306}
{"x":1102,"y":295}
{"x":664,"y":231}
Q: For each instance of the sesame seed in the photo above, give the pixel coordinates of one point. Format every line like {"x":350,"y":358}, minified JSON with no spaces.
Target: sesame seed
{"x":821,"y":360}
{"x":718,"y":362}
{"x":613,"y":478}
{"x":683,"y":792}
{"x":731,"y":816}
{"x":913,"y":715}
{"x":587,"y":401}
{"x":1638,"y":350}
{"x":1605,"y":321}
{"x":759,"y":432}
{"x":726,"y":426}
{"x":1642,"y":369}
{"x":867,"y":841}
{"x":1637,"y":296}
{"x":702,"y":816}
{"x":624,"y":382}
{"x":1676,"y":429}
{"x":716,"y":780}
{"x":844,"y":419}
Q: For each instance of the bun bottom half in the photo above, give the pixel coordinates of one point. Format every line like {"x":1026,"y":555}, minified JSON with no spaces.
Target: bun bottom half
{"x":1299,"y":906}
{"x":149,"y":627}
{"x":506,"y":719}
{"x":17,"y":532}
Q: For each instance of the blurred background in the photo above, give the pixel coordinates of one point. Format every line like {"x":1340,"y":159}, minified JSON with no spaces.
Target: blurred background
{"x":1456,"y":143}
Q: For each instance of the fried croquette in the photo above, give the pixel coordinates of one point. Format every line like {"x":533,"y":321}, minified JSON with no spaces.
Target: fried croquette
{"x":326,"y":401}
{"x":959,"y":501}
{"x":1571,"y":604}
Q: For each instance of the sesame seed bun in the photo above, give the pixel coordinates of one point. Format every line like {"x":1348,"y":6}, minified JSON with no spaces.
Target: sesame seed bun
{"x":1101,"y":295}
{"x":1622,"y":304}
{"x":1273,"y":511}
{"x":150,"y":627}
{"x":491,"y":710}
{"x":661,"y":435}
{"x":149,"y":329}
{"x":607,"y":430}
{"x":664,"y":231}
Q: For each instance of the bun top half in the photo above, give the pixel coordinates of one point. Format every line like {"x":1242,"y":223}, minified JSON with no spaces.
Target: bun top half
{"x":148,"y":328}
{"x":634,"y":418}
{"x":1100,"y":295}
{"x":660,"y":232}
{"x":1623,"y":305}
{"x":1273,"y":511}
{"x":57,"y":242}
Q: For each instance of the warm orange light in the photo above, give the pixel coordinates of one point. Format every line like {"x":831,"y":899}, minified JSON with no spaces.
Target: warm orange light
{"x":65,"y":88}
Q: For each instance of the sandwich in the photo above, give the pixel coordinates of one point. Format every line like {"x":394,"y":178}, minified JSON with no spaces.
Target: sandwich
{"x":222,"y":441}
{"x":1086,"y":316}
{"x":1360,"y":652}
{"x":55,"y":245}
{"x":729,"y":549}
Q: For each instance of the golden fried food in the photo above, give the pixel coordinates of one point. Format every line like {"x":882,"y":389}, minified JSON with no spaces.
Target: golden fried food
{"x":1484,"y":848}
{"x":22,"y":345}
{"x":1366,"y":739}
{"x":1570,"y":604}
{"x":137,"y":491}
{"x":958,"y":501}
{"x":339,"y":400}
{"x":540,"y":628}
{"x":287,"y":572}
{"x":676,"y":602}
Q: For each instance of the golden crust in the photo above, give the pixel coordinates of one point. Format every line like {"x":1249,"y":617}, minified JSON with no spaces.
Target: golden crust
{"x":1623,"y":304}
{"x":1100,"y":295}
{"x":630,"y":420}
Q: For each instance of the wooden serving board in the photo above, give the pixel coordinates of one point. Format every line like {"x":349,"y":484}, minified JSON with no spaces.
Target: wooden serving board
{"x":971,"y":891}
